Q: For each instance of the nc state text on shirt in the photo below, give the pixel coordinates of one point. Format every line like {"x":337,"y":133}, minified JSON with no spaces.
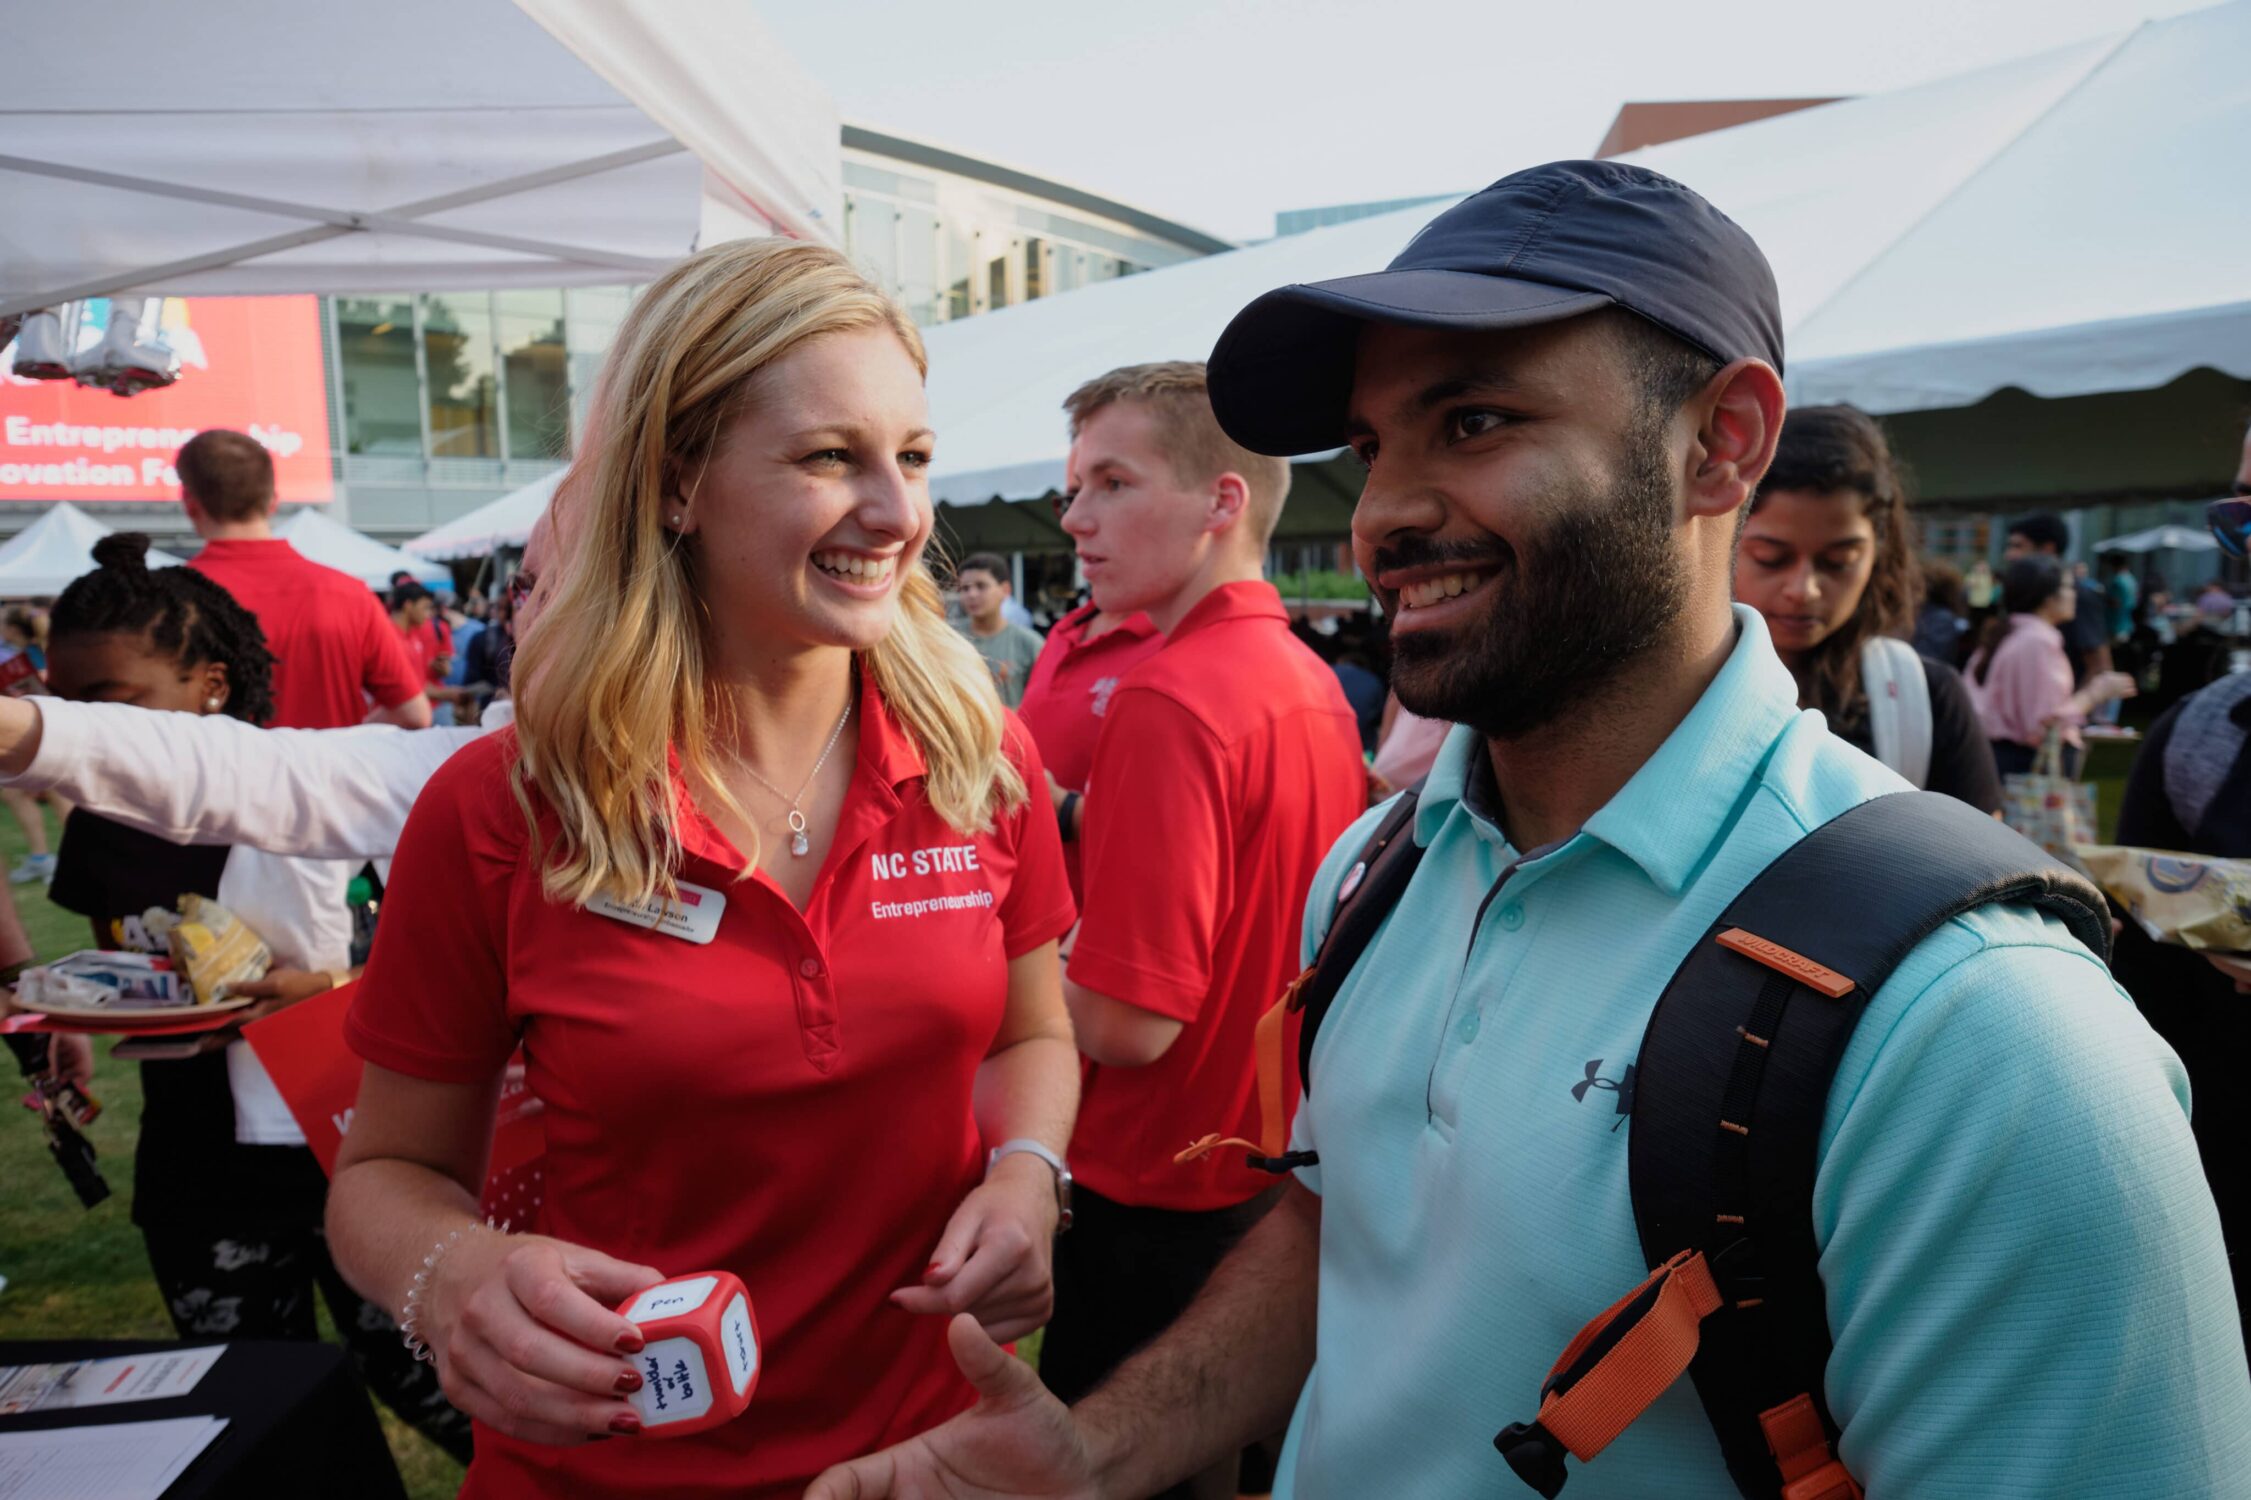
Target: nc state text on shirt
{"x":944,"y":859}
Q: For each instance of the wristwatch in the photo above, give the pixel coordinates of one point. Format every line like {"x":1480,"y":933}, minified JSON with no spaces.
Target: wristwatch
{"x":1056,"y":1164}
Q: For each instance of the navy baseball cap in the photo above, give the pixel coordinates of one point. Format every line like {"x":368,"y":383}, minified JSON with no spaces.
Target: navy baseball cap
{"x":1538,"y":246}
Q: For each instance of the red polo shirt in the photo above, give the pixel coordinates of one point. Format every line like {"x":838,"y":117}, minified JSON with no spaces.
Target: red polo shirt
{"x":333,"y":643}
{"x":1228,"y":764}
{"x":1071,"y":685}
{"x":1069,"y":692}
{"x":428,"y":641}
{"x":790,"y":1101}
{"x":421,"y":645}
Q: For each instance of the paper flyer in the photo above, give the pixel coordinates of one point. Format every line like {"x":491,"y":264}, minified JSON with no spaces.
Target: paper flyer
{"x":152,"y":1376}
{"x":116,"y":1461}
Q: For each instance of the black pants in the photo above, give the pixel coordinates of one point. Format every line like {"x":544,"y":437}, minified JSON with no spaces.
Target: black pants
{"x":261,"y":1287}
{"x":1123,"y":1274}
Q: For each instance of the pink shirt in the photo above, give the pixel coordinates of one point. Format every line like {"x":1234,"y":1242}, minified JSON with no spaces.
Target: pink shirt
{"x":1406,"y":753}
{"x":2028,"y":685}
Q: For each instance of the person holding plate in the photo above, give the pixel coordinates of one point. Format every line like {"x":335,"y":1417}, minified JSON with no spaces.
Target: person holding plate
{"x":226,"y":1195}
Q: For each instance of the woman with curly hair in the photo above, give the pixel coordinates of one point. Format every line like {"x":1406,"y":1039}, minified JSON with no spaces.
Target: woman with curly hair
{"x":226,"y":1194}
{"x":1826,"y":558}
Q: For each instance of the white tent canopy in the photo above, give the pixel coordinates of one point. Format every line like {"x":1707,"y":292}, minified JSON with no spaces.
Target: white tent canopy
{"x":2063,"y":223}
{"x":506,"y":522}
{"x":40,"y":560}
{"x":2161,"y":539}
{"x":279,"y":148}
{"x":335,"y":545}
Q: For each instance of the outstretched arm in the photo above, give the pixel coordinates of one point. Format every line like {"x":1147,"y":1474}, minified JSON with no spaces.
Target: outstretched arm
{"x":413,"y":713}
{"x":1168,"y":1412}
{"x":189,"y":779}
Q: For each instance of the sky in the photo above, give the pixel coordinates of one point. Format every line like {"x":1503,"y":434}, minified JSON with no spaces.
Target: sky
{"x":1220,"y":113}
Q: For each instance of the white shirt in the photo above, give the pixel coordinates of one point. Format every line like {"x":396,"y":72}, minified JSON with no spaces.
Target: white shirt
{"x":302,"y":809}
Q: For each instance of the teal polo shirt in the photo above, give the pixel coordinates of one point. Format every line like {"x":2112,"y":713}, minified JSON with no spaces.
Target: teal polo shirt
{"x":2023,"y":1263}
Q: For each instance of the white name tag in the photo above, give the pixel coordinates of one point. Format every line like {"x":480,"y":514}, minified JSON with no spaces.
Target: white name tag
{"x":692,"y":915}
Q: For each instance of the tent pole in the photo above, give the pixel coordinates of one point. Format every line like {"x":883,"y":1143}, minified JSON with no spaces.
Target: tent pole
{"x":376,"y":220}
{"x":393,"y":218}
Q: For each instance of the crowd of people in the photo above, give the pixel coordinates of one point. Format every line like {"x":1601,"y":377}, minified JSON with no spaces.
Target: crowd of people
{"x":1256,"y":1011}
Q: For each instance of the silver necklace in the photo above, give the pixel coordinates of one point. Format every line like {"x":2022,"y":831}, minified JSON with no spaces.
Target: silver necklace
{"x":799,"y":844}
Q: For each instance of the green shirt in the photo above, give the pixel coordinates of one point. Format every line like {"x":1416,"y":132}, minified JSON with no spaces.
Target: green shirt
{"x":1010,"y":652}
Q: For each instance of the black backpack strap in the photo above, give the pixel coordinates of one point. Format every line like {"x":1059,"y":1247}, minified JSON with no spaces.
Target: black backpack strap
{"x":1365,"y":896}
{"x":1733,"y":1076}
{"x":1730,"y":1087}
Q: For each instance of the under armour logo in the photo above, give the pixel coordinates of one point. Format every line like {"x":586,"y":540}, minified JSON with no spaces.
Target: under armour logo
{"x":1623,"y":1087}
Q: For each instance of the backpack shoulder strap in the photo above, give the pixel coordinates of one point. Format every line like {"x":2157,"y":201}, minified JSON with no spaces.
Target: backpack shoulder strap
{"x":1899,"y":706}
{"x":1366,"y":895}
{"x":1733,"y":1077}
{"x":1730,"y":1087}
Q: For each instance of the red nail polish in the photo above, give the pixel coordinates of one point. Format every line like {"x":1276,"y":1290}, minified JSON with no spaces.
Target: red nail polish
{"x":625,"y":1423}
{"x":926,"y":1270}
{"x":629,"y":1342}
{"x":629,"y":1382}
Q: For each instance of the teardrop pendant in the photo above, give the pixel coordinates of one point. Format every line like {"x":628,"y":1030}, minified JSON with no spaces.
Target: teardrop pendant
{"x":799,"y":844}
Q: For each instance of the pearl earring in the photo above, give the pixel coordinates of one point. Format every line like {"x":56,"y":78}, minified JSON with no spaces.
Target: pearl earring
{"x":211,"y":705}
{"x":677,"y":520}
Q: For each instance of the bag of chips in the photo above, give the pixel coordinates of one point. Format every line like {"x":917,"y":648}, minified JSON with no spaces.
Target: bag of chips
{"x":215,"y":948}
{"x":2182,"y":899}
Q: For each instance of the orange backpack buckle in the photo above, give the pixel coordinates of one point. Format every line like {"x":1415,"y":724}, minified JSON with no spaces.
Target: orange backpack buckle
{"x":1271,"y":1152}
{"x":1810,"y":1469}
{"x":1621,"y":1362}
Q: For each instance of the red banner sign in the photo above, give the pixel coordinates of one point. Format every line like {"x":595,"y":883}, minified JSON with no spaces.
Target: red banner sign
{"x":250,"y":363}
{"x":318,"y":1077}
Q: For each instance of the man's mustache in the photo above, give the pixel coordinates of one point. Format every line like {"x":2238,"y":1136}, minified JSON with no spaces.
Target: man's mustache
{"x":1425,"y":554}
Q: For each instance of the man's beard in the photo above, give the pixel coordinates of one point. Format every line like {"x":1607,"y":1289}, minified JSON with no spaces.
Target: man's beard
{"x":1600,"y":586}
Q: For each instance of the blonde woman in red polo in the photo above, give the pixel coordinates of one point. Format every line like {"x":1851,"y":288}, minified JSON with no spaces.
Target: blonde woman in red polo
{"x":840,"y":1066}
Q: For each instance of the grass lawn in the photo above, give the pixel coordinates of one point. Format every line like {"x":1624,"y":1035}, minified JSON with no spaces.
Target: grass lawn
{"x":80,"y":1273}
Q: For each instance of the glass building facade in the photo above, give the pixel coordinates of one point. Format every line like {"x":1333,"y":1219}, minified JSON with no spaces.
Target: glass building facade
{"x":442,"y":376}
{"x":953,"y":236}
{"x":444,"y":400}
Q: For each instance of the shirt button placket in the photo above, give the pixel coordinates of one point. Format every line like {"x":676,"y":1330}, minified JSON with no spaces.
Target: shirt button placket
{"x":816,"y":1012}
{"x":1511,"y":918}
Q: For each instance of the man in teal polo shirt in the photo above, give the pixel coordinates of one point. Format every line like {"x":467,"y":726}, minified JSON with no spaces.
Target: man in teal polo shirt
{"x":1565,"y":390}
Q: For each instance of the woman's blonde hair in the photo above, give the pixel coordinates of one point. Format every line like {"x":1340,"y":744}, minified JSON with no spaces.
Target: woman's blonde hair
{"x":612,"y":677}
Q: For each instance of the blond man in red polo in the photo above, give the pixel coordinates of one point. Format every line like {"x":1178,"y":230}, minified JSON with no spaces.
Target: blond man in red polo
{"x":1226,"y":765}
